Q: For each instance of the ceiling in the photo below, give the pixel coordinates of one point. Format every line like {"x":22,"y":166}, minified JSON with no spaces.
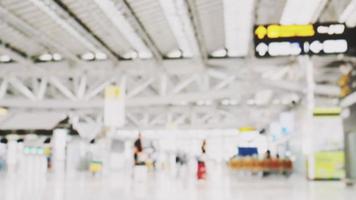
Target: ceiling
{"x":55,"y":50}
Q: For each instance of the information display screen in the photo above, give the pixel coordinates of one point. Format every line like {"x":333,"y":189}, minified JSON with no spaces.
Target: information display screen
{"x":311,"y":39}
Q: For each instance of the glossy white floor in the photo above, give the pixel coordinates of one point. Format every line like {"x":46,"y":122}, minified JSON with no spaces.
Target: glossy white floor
{"x":220,"y":185}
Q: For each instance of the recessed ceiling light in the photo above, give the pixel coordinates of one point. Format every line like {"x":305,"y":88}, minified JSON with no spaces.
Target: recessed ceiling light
{"x":5,"y":58}
{"x":175,"y":54}
{"x":87,"y":56}
{"x":220,"y":53}
{"x":45,"y":57}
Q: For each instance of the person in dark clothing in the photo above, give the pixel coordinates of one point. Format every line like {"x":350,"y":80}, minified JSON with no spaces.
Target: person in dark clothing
{"x":137,"y":149}
{"x":203,"y":147}
{"x":267,"y":161}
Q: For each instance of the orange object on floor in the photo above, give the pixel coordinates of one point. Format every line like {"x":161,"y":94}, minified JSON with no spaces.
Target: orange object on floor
{"x":201,"y":173}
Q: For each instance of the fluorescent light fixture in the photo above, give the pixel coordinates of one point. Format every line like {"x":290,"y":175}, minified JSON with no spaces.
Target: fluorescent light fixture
{"x":130,"y":55}
{"x":5,"y":58}
{"x":45,"y":57}
{"x":87,"y":56}
{"x":220,"y":53}
{"x":175,"y":54}
{"x":56,"y":57}
{"x":100,"y":56}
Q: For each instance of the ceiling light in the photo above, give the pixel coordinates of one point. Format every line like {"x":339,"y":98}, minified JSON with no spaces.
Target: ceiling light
{"x":45,"y":57}
{"x":100,"y":56}
{"x":56,"y":57}
{"x":5,"y":58}
{"x":175,"y":54}
{"x":87,"y":56}
{"x":130,"y":55}
{"x":220,"y":53}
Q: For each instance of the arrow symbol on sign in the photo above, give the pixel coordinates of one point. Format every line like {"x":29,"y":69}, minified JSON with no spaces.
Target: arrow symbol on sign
{"x":261,"y":32}
{"x":262,"y":49}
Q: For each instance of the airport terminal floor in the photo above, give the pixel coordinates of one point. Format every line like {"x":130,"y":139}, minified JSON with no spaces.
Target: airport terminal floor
{"x":165,"y":186}
{"x":177,"y":99}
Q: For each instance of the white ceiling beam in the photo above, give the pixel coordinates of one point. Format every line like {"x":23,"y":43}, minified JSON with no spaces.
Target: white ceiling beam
{"x":224,"y":83}
{"x":238,"y":19}
{"x":157,"y":119}
{"x":3,"y":87}
{"x":82,"y":87}
{"x":121,"y":23}
{"x":97,"y":90}
{"x":22,"y":88}
{"x":197,"y":29}
{"x":311,"y":11}
{"x":62,"y":88}
{"x":163,"y":84}
{"x":42,"y":88}
{"x":141,"y":87}
{"x":36,"y":35}
{"x":142,"y":32}
{"x":348,"y":16}
{"x":179,"y":19}
{"x":182,"y":85}
{"x":133,"y":119}
{"x":180,"y":119}
{"x":61,"y":22}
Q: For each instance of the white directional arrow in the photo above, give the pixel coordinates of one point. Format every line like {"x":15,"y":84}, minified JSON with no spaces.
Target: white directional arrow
{"x":262,"y":49}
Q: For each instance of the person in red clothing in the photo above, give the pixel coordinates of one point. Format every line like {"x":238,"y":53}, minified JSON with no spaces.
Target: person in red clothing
{"x":201,"y":171}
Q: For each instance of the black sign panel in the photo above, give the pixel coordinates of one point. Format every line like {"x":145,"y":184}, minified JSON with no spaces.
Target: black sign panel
{"x":311,"y":39}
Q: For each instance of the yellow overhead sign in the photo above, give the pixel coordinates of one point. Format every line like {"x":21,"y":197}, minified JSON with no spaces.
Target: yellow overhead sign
{"x":284,"y":31}
{"x":247,"y":129}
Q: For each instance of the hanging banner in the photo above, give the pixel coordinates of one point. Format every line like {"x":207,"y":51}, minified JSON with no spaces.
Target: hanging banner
{"x":114,"y":108}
